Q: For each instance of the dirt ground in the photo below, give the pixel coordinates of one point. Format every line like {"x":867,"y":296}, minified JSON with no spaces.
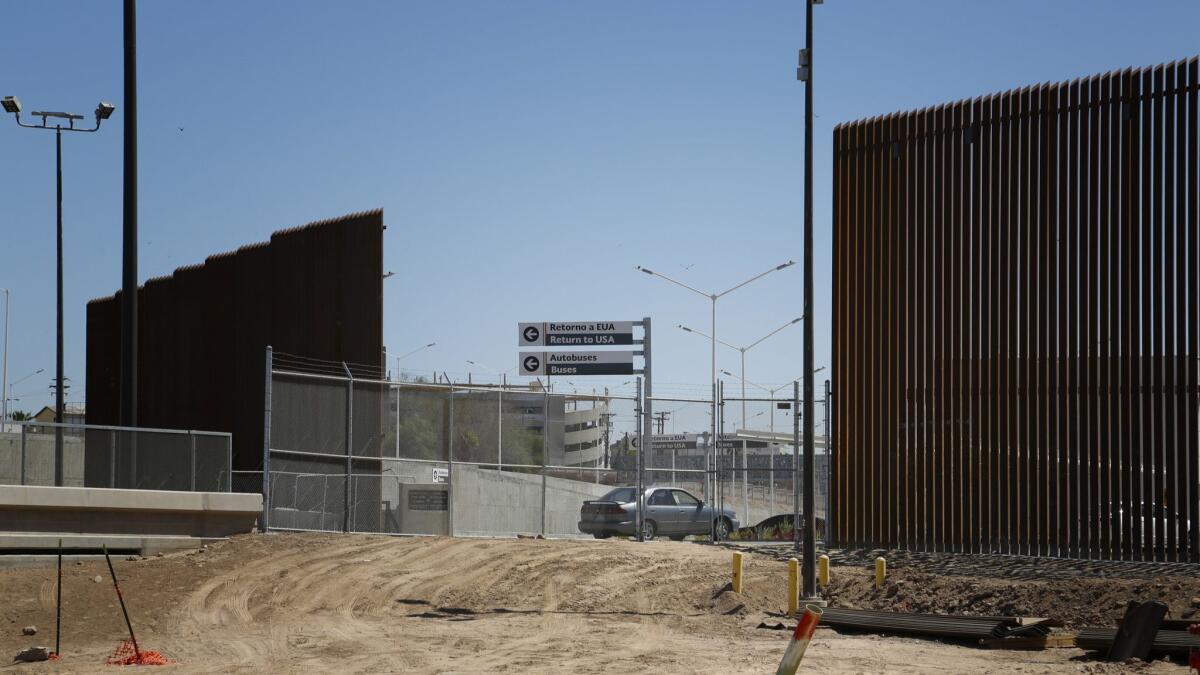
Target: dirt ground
{"x":335,"y":603}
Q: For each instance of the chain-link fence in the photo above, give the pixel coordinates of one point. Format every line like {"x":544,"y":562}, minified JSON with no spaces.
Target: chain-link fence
{"x":116,"y":457}
{"x":357,"y":454}
{"x":367,"y":455}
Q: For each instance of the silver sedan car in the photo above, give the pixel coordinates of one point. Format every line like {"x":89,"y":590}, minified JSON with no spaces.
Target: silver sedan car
{"x":670,"y":511}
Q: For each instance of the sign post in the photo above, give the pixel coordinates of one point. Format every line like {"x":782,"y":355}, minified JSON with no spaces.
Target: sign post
{"x":596,"y":362}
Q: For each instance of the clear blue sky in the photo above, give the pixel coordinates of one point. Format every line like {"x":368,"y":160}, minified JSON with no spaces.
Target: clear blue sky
{"x":527,"y":154}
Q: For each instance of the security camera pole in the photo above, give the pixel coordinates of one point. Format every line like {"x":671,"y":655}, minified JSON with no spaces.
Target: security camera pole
{"x":103,"y":111}
{"x":805,"y":74}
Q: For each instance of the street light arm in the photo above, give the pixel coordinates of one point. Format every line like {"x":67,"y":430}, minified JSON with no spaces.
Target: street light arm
{"x":39,"y":371}
{"x":431,"y":344}
{"x":756,"y":278}
{"x":674,"y":281}
{"x":756,"y":342}
{"x":706,"y":336}
{"x":748,"y":381}
{"x":43,"y":125}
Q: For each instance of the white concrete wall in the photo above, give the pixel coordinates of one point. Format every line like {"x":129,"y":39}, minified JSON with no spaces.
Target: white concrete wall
{"x":490,"y":502}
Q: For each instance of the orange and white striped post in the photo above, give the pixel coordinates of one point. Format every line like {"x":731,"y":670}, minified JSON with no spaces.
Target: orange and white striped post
{"x":800,"y":639}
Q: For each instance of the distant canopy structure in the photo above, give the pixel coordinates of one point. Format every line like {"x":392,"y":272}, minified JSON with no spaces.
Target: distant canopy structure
{"x":1017,"y":322}
{"x":315,"y":290}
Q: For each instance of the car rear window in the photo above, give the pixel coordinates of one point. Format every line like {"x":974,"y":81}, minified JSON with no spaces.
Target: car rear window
{"x":621,"y":495}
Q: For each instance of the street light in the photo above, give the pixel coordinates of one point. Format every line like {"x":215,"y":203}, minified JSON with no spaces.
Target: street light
{"x":103,"y":111}
{"x":770,"y":391}
{"x":39,"y":371}
{"x":713,"y":297}
{"x":743,"y":350}
{"x":405,"y":356}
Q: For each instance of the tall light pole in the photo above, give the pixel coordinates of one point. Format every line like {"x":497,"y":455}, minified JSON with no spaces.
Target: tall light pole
{"x":713,"y":297}
{"x":769,"y":390}
{"x":103,"y":111}
{"x":743,"y":350}
{"x":14,"y":383}
{"x":405,"y":356}
{"x":4,"y":369}
{"x":810,"y":557}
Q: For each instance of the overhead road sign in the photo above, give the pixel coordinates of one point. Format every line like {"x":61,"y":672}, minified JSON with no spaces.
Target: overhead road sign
{"x":576,"y":363}
{"x":575,"y":333}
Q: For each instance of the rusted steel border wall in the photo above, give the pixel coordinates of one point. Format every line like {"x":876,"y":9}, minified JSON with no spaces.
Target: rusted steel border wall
{"x":315,"y":290}
{"x":1017,"y":322}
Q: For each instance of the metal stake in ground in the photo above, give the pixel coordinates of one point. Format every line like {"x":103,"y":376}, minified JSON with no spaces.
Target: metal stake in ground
{"x":136,"y":653}
{"x":58,"y":604}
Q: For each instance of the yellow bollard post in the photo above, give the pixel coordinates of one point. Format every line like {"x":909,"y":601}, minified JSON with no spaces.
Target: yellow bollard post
{"x":737,"y":572}
{"x":880,"y":571}
{"x":823,"y":571}
{"x":793,"y":586}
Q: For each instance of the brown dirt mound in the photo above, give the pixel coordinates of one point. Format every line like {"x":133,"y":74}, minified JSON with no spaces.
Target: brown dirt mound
{"x":336,"y":603}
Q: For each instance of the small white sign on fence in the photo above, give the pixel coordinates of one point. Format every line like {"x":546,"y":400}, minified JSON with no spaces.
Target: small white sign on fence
{"x":441,"y":475}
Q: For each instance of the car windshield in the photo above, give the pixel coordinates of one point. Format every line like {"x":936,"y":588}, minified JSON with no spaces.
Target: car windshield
{"x":620,"y":495}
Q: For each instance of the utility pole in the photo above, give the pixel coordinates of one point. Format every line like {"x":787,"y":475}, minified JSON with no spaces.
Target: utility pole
{"x":607,"y":420}
{"x":662,"y":420}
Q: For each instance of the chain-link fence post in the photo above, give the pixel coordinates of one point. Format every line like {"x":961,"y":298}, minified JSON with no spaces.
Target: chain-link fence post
{"x":545,"y":445}
{"x":796,"y":481}
{"x":22,"y":454}
{"x":500,"y":422}
{"x":828,"y":465}
{"x":640,"y":516}
{"x":450,"y":479}
{"x":266,"y":462}
{"x":192,"y":460}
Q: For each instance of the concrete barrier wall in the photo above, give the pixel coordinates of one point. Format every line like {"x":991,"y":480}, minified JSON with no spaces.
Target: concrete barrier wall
{"x":68,"y":510}
{"x":490,"y":502}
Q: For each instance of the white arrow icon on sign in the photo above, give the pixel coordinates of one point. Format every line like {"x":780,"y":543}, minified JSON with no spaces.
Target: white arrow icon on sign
{"x":531,"y":364}
{"x":531,"y":334}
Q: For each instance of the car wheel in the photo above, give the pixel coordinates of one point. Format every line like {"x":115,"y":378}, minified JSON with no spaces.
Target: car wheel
{"x":649,"y":529}
{"x":721,"y":528}
{"x":602,"y":535}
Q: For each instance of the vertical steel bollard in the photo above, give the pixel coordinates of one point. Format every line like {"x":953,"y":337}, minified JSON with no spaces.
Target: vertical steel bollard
{"x":823,"y":571}
{"x":880,"y":572}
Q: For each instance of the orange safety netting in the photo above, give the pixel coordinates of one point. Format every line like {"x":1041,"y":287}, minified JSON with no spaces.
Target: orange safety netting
{"x":125,"y":655}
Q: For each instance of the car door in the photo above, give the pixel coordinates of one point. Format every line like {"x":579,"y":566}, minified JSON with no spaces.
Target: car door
{"x":660,"y":507}
{"x":690,"y":512}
